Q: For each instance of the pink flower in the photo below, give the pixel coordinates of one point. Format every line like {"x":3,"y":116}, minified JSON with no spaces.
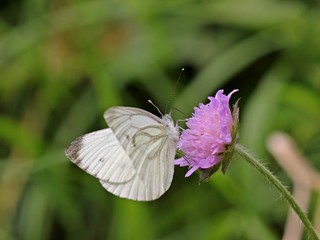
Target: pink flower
{"x":211,"y":130}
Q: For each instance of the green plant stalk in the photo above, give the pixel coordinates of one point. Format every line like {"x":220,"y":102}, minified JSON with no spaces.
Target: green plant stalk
{"x":244,"y":153}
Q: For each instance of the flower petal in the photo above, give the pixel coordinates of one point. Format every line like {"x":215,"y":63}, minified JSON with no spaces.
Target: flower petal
{"x":208,"y":135}
{"x":192,"y":170}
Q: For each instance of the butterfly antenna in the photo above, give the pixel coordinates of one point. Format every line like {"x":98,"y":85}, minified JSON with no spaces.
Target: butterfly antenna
{"x":173,"y":90}
{"x":155,"y":107}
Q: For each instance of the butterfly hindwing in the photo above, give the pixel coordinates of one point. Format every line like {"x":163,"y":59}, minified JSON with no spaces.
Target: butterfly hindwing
{"x":150,"y":149}
{"x":125,"y":122}
{"x":153,"y":175}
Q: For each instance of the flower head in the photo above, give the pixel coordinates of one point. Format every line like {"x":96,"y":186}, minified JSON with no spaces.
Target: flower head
{"x":211,"y":130}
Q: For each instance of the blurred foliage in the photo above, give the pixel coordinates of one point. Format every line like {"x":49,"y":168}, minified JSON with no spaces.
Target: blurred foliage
{"x":62,"y":63}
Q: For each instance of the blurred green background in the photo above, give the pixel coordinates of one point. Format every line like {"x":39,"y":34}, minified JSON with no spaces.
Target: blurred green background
{"x":63,"y":62}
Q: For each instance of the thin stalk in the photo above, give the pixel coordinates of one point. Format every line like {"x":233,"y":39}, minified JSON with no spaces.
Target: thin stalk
{"x":244,"y":153}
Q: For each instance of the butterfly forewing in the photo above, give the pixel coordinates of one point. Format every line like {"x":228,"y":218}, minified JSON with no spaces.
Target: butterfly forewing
{"x":100,"y":154}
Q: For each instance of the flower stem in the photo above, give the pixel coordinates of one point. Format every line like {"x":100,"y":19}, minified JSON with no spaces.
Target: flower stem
{"x":243,"y":152}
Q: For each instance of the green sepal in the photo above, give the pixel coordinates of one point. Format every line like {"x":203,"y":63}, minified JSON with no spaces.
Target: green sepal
{"x":206,"y":173}
{"x":230,"y":149}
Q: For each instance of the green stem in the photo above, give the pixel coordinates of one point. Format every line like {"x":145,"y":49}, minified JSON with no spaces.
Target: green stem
{"x":243,"y":152}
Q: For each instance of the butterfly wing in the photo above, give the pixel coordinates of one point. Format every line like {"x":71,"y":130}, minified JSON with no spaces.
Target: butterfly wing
{"x":150,"y":149}
{"x":125,"y":122}
{"x":132,"y":159}
{"x":101,"y":155}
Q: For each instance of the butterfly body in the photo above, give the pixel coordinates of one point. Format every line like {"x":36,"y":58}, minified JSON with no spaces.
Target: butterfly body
{"x":134,"y":157}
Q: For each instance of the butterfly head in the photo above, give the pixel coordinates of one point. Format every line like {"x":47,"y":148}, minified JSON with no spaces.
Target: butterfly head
{"x":173,"y":130}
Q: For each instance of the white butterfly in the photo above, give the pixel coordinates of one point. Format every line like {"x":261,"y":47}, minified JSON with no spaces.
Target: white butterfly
{"x":134,"y":158}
